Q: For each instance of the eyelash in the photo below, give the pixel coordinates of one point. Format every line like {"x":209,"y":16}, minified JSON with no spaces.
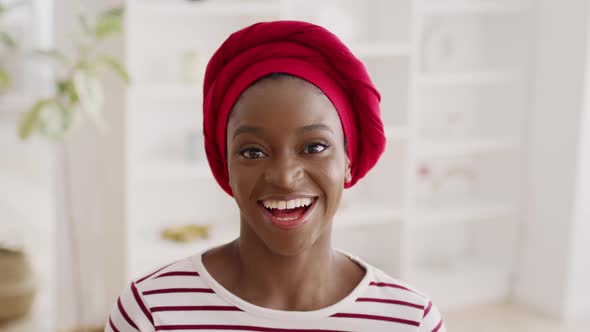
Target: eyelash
{"x":242,"y":152}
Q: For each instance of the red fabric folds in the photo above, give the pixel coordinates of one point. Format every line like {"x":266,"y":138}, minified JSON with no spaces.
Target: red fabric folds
{"x":309,"y":52}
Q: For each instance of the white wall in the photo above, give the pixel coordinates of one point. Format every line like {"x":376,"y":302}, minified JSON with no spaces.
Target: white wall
{"x":549,"y":266}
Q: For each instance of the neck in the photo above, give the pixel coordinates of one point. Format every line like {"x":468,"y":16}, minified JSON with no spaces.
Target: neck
{"x":300,"y":281}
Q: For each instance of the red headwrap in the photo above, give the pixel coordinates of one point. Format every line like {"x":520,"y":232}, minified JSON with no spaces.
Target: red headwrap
{"x":309,"y":52}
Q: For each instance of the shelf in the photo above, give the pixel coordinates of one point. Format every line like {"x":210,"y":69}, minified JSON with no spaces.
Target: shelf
{"x":366,"y":50}
{"x":159,"y":171}
{"x":469,"y":78}
{"x":465,"y":146}
{"x":150,"y":251}
{"x":493,"y":7}
{"x":463,"y":282}
{"x":469,"y":211}
{"x":183,"y":8}
{"x":366,"y":214}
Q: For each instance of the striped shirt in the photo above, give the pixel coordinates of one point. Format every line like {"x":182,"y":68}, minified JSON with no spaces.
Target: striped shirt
{"x":183,"y":296}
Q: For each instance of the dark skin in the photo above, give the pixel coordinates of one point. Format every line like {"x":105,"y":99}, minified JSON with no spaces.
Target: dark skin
{"x":284,"y":137}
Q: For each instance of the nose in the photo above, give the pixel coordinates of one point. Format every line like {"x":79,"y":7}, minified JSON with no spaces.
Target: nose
{"x":285,"y":171}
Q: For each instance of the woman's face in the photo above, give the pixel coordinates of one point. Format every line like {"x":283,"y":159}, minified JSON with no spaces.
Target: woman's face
{"x":287,"y":163}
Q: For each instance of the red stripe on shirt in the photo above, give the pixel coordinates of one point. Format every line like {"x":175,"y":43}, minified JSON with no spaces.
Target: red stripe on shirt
{"x":113,"y":327}
{"x":407,"y":304}
{"x":178,"y":290}
{"x":427,"y":309}
{"x":438,"y":326}
{"x":384,"y":284}
{"x":196,"y":308}
{"x":374,"y":317}
{"x":236,"y":328}
{"x":178,"y":273}
{"x":124,"y":314}
{"x":151,"y":274}
{"x":146,"y":312}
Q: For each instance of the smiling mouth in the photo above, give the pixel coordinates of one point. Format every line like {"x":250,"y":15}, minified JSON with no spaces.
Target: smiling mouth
{"x":288,"y":217}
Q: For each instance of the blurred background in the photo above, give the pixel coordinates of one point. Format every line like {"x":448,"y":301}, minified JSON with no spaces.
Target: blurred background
{"x":481,"y":200}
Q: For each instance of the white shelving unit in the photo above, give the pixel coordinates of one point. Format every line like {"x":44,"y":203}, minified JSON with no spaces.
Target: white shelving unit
{"x":438,"y":211}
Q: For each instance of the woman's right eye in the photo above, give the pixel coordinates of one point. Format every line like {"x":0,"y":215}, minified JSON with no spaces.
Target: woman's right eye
{"x":251,"y":153}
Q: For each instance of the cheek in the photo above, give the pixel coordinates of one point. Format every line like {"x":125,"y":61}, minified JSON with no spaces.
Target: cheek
{"x":330,"y":177}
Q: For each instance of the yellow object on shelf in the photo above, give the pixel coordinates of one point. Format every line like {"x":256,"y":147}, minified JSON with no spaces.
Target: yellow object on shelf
{"x":186,"y":233}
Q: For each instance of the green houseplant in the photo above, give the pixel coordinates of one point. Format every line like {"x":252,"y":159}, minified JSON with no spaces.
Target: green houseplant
{"x":79,"y":90}
{"x":77,"y":95}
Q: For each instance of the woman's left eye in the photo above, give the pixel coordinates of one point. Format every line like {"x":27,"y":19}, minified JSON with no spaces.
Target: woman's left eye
{"x":314,"y":148}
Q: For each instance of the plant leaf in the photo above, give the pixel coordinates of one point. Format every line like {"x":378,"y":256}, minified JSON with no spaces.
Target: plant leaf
{"x":86,"y":25}
{"x":31,"y":118}
{"x":116,"y":66}
{"x":109,"y":22}
{"x":55,"y":120}
{"x":54,"y":54}
{"x":67,"y":88}
{"x":4,"y":79}
{"x":90,"y":92}
{"x":7,"y":40}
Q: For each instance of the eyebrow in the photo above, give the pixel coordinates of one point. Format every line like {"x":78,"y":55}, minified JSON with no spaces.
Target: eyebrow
{"x":308,"y":128}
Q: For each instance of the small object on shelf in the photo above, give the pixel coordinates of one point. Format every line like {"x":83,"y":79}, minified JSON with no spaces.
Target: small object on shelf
{"x":186,"y":233}
{"x":453,"y":46}
{"x":443,"y":181}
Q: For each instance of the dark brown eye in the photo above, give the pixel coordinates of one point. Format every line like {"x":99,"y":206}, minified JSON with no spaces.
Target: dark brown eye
{"x":252,"y":153}
{"x":314,"y":148}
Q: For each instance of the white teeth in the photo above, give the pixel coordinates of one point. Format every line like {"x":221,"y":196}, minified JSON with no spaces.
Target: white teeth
{"x":291,"y":204}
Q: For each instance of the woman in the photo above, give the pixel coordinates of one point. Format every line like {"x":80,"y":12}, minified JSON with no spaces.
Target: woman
{"x":291,"y":118}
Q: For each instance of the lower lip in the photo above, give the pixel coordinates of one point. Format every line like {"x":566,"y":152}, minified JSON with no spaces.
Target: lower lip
{"x":288,"y":224}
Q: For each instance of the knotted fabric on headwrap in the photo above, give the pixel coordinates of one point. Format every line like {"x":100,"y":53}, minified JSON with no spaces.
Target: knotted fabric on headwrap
{"x":309,"y":52}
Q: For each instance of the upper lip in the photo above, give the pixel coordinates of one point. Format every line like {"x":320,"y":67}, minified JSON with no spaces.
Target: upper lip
{"x":286,"y":197}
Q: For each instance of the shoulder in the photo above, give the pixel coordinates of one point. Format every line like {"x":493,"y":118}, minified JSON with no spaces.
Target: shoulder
{"x":425,"y":312}
{"x":162,"y":286}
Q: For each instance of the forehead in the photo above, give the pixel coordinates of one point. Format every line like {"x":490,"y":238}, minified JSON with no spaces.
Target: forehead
{"x":283,"y":102}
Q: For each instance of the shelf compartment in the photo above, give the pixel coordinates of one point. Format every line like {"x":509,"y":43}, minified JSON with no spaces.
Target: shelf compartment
{"x":360,"y":214}
{"x":464,"y":282}
{"x":432,"y":80}
{"x":384,"y":184}
{"x":464,"y":44}
{"x":467,"y":146}
{"x":148,"y":250}
{"x":373,"y":21}
{"x":473,"y":114}
{"x":468,"y":211}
